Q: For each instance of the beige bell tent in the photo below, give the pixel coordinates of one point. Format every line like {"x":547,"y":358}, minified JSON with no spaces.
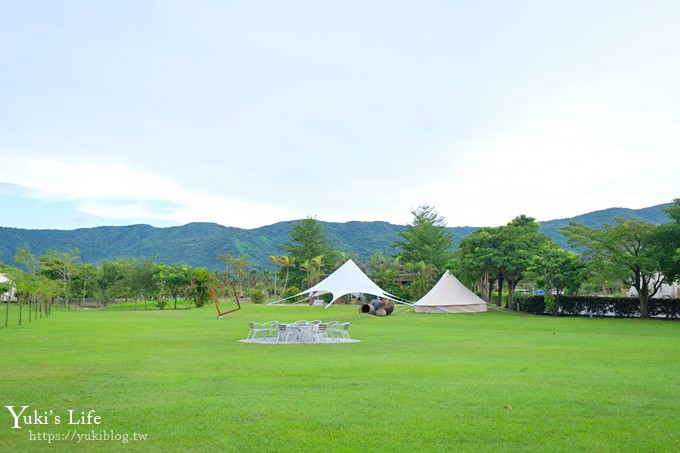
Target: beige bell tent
{"x":450,"y":296}
{"x":347,"y":279}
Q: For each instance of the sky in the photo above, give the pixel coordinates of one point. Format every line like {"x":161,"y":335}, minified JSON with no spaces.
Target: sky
{"x":250,"y":113}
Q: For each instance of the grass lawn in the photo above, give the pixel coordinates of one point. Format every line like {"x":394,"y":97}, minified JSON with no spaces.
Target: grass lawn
{"x":415,"y":382}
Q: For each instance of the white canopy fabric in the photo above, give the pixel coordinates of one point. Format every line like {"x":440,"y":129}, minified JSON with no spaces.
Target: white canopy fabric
{"x":346,"y":279}
{"x":449,"y":295}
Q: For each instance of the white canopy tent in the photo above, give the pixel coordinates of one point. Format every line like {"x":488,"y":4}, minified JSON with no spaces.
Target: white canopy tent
{"x":347,"y":279}
{"x":449,"y":295}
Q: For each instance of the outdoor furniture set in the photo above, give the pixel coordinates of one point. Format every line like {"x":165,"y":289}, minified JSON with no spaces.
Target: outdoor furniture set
{"x":299,"y":332}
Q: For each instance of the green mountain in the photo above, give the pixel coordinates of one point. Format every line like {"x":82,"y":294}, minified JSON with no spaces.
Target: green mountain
{"x":197,"y":244}
{"x":653,"y":214}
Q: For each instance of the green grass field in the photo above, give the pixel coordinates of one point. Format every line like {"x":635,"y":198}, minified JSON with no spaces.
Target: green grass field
{"x":415,"y":382}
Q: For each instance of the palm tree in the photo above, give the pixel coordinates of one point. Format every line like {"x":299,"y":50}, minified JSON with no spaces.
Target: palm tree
{"x":239,"y":265}
{"x":386,"y":272}
{"x":287,"y":263}
{"x":317,"y":264}
{"x":342,"y":257}
{"x":306,"y":267}
{"x":277,"y":262}
{"x":423,"y":278}
{"x":313,"y":269}
{"x":227,"y":259}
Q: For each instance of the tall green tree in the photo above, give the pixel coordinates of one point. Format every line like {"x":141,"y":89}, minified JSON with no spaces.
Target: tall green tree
{"x":424,"y":276}
{"x":667,"y":238}
{"x":285,"y":263}
{"x":61,"y":265}
{"x":385,"y":272}
{"x":426,"y":239}
{"x":27,"y":259}
{"x":240,"y":266}
{"x":201,"y":279}
{"x":174,"y":280}
{"x":628,"y":249}
{"x":558,"y":269}
{"x":308,"y":240}
{"x":518,"y":243}
{"x":312,"y":269}
{"x":112,"y":279}
{"x":142,"y":283}
{"x":84,"y":280}
{"x":478,"y":259}
{"x":502,"y":254}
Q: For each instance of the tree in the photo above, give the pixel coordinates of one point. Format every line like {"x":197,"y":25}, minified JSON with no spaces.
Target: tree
{"x":308,"y":239}
{"x":276,"y":262}
{"x":287,"y":263}
{"x":112,"y":280}
{"x":342,"y":257}
{"x":27,"y":259}
{"x":173,"y":280}
{"x":201,"y":279}
{"x":558,"y":269}
{"x":628,"y":249}
{"x":478,"y":259}
{"x":667,"y":238}
{"x":141,"y":279}
{"x":501,"y":254}
{"x":385,"y":272}
{"x":518,"y":242}
{"x":239,"y":265}
{"x":61,"y":265}
{"x":86,"y":275}
{"x":312,"y":268}
{"x":424,"y":277}
{"x":427,"y":239}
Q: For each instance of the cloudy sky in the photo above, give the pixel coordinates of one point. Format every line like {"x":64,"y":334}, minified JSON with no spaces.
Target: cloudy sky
{"x":249,"y":113}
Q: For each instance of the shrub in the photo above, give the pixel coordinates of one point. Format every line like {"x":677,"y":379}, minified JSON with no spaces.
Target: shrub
{"x":570,"y":306}
{"x":257,"y":294}
{"x":597,"y":306}
{"x":161,"y":303}
{"x":626,"y":307}
{"x":291,"y":291}
{"x":531,"y":304}
{"x":670,"y":308}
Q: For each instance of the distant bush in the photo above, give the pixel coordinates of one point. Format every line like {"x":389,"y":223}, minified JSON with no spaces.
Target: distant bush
{"x":626,"y":307}
{"x":161,"y":303}
{"x":670,"y":308}
{"x":257,"y":294}
{"x":570,"y":306}
{"x":530,"y":304}
{"x":291,"y":291}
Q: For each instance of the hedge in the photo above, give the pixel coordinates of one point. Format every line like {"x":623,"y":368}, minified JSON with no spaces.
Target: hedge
{"x":622,"y":307}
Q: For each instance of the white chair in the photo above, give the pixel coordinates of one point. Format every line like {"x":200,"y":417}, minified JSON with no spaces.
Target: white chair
{"x":283,"y":334}
{"x":320,"y":333}
{"x":257,"y":329}
{"x":273,"y":329}
{"x":331,"y":329}
{"x":343,"y":331}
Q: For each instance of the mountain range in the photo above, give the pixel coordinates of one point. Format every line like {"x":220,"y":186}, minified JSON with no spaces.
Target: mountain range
{"x":198,"y":244}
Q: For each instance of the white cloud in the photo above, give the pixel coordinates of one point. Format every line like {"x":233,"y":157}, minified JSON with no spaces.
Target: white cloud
{"x":115,"y":191}
{"x":559,"y":169}
{"x":244,"y":117}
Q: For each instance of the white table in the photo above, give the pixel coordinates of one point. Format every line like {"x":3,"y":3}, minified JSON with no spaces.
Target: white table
{"x":301,"y":333}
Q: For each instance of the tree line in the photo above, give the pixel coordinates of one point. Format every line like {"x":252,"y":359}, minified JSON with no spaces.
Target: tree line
{"x":493,"y":261}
